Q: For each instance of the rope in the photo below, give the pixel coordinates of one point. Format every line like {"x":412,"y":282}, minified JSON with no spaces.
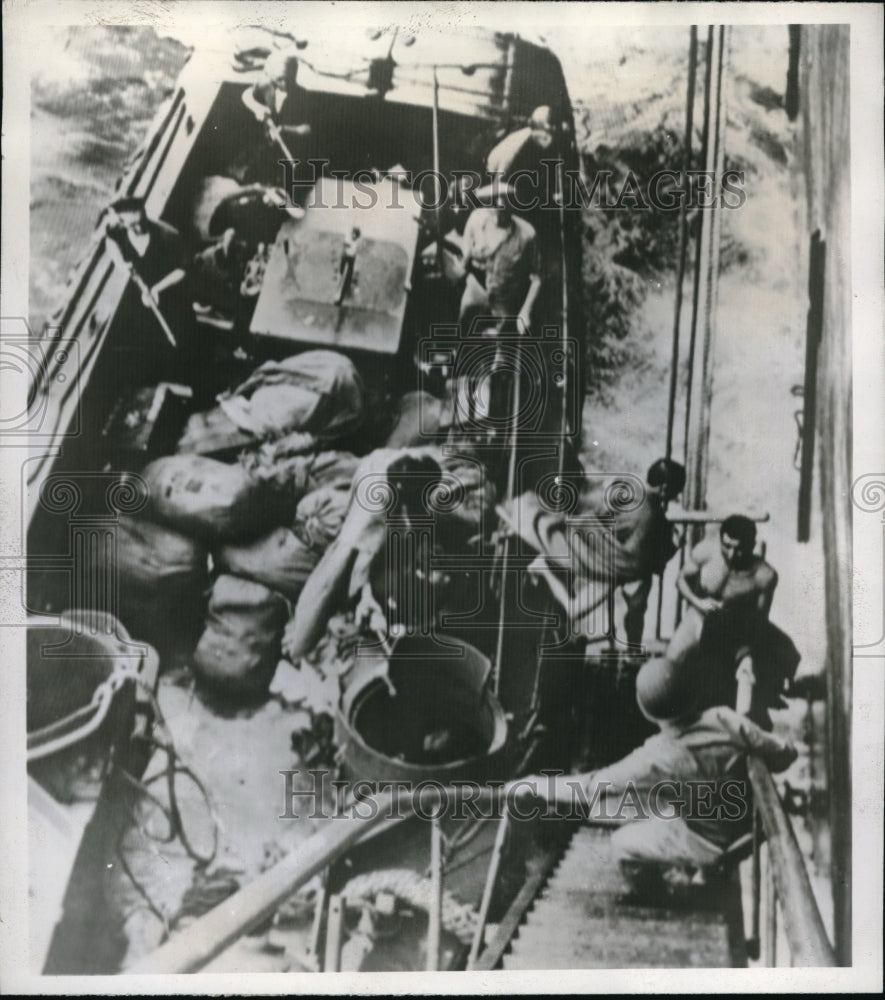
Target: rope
{"x":458,"y":918}
{"x":172,"y":812}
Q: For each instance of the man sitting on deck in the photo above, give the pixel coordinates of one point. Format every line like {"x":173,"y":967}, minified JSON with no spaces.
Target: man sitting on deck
{"x":647,"y":536}
{"x":707,"y":750}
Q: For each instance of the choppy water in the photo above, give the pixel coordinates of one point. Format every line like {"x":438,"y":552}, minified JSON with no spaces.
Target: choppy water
{"x":97,"y":89}
{"x":92,"y":100}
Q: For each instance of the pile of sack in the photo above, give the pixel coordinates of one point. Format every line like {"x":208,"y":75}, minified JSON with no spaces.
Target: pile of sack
{"x":210,"y":569}
{"x":213,"y":566}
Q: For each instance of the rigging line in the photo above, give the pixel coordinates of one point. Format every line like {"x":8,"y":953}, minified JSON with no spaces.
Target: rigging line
{"x":695,"y":305}
{"x":683,"y":232}
{"x":680,"y":276}
{"x":511,"y":487}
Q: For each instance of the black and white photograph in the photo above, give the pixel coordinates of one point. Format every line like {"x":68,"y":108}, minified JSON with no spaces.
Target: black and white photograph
{"x":443,"y":497}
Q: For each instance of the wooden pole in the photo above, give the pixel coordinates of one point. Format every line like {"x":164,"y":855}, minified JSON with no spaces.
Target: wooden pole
{"x":434,"y":923}
{"x":334,"y":932}
{"x":488,"y":890}
{"x":213,"y":933}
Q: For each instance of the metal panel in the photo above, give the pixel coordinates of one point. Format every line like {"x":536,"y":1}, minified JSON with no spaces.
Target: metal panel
{"x":301,"y":284}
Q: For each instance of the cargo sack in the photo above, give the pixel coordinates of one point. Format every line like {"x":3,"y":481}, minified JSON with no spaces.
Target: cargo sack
{"x":320,"y":392}
{"x":465,"y":503}
{"x":239,"y":649}
{"x":212,"y":432}
{"x":210,"y":500}
{"x":320,"y":514}
{"x":291,"y":467}
{"x":332,"y":468}
{"x":211,"y":192}
{"x":162,"y":582}
{"x":278,"y":560}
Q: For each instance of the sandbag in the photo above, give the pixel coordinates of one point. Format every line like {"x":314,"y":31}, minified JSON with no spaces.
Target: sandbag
{"x":210,"y":500}
{"x":239,"y":649}
{"x":320,"y":392}
{"x":162,"y":580}
{"x":320,"y":514}
{"x":279,"y":560}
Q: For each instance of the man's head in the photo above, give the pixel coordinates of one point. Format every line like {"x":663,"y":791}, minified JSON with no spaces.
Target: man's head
{"x":665,"y":479}
{"x":281,"y":70}
{"x":131,"y":213}
{"x":541,"y":124}
{"x":665,"y":691}
{"x":412,"y":477}
{"x":497,"y":196}
{"x":737,"y":539}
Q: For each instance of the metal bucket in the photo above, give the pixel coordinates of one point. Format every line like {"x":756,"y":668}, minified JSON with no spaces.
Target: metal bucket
{"x":441,"y":723}
{"x":83,"y":679}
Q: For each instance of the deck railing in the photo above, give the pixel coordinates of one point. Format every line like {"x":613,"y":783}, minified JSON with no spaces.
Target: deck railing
{"x":787,"y":888}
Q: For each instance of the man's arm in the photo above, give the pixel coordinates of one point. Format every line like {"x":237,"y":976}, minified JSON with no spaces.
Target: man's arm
{"x":172,"y":278}
{"x":767,"y":584}
{"x":688,"y":582}
{"x":641,"y":768}
{"x":258,"y":108}
{"x":778,"y":754}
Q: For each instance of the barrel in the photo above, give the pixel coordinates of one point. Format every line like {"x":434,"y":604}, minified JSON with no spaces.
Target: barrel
{"x":442,"y":723}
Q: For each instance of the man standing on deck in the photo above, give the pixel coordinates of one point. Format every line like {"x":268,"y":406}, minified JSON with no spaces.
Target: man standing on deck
{"x":501,"y":267}
{"x":699,"y":759}
{"x":271,"y":99}
{"x":157,"y":257}
{"x":528,"y":160}
{"x":728,"y":590}
{"x":646,"y":537}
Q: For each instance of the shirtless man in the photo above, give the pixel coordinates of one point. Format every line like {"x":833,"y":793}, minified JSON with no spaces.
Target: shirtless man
{"x":722,"y":577}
